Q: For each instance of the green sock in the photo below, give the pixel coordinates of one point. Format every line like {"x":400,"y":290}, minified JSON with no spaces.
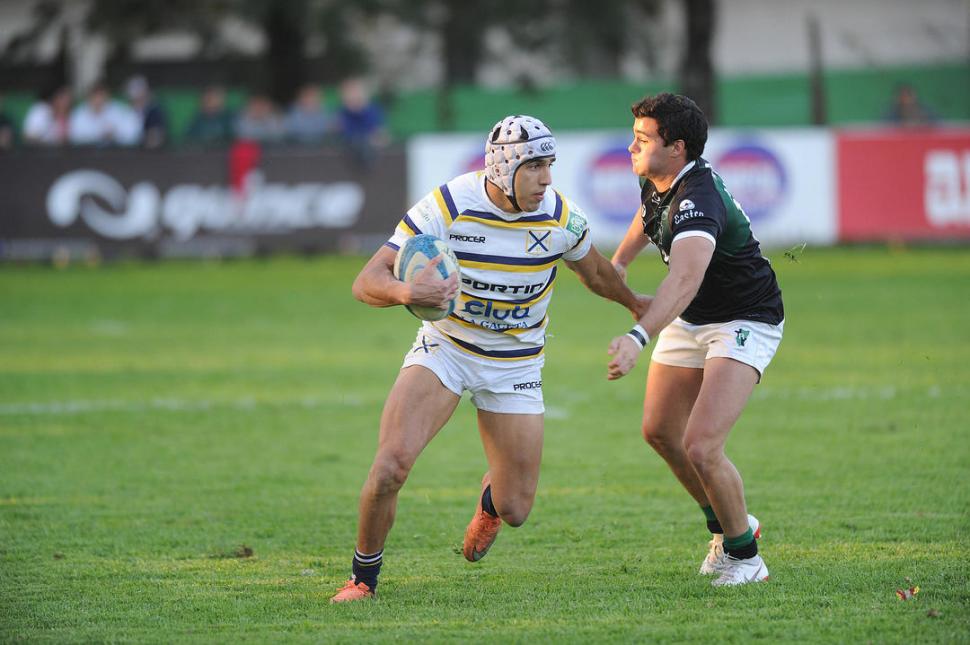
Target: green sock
{"x":709,"y":513}
{"x":744,"y":539}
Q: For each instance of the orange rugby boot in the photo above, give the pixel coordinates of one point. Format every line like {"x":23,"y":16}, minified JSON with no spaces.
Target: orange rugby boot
{"x":481,"y":531}
{"x":353,"y":591}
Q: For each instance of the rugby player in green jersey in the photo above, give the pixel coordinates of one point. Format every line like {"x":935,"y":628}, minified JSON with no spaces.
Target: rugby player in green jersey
{"x":717,"y":315}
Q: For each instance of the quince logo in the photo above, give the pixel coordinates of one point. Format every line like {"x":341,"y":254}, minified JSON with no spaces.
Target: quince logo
{"x":129,"y":214}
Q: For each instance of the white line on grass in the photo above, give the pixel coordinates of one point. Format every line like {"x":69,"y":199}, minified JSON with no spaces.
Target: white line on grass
{"x":168,"y":404}
{"x":841,"y":393}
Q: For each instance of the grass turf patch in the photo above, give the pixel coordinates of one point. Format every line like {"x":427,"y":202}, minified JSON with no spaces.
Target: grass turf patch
{"x":182,"y":445}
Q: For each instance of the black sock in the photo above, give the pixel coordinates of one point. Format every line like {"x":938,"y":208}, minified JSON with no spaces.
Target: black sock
{"x":487,"y":505}
{"x":713,"y":525}
{"x":744,"y":552}
{"x":368,"y":567}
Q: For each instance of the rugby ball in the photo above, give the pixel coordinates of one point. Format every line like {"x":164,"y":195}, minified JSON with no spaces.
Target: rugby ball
{"x":413,"y":256}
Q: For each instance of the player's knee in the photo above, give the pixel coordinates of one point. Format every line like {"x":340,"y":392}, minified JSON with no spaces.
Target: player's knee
{"x":659,"y":437}
{"x":388,"y":474}
{"x":702,"y":454}
{"x":514,"y":512}
{"x":514,"y":518}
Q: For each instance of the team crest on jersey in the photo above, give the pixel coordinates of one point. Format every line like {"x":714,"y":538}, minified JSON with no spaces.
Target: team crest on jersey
{"x":576,"y":224}
{"x":741,"y":336}
{"x":537,"y":242}
{"x":686,"y":205}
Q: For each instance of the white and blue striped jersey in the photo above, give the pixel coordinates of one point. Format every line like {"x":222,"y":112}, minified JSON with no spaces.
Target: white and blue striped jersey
{"x":508,"y":263}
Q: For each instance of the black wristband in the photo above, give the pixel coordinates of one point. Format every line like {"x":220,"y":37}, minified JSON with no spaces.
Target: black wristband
{"x":639,"y":335}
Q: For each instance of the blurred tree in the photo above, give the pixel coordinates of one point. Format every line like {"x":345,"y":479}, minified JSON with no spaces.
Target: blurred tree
{"x":594,"y":36}
{"x":286,"y":25}
{"x":697,"y":70}
{"x":343,"y":54}
{"x":575,"y":37}
{"x":462,"y":28}
{"x":25,"y":48}
{"x":122,"y":22}
{"x":289,"y":24}
{"x":816,"y":71}
{"x":588,"y":38}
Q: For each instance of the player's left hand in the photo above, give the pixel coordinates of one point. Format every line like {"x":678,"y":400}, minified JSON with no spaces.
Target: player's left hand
{"x":625,"y":353}
{"x":641,"y":306}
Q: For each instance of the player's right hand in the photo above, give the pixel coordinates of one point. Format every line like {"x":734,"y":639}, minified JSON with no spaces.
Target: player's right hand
{"x":429,"y":289}
{"x":625,"y":353}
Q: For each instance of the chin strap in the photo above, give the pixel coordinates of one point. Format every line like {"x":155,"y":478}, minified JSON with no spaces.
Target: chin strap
{"x":512,"y":196}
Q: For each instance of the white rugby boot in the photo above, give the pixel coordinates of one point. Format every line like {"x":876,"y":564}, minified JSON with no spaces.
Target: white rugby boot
{"x":736,"y":572}
{"x":715,"y":554}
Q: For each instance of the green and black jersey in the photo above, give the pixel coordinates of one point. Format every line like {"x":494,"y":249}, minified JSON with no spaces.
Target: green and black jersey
{"x":740,"y":283}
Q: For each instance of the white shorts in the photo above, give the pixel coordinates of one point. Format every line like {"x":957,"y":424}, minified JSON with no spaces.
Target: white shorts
{"x":510,"y":387}
{"x":682,"y":344}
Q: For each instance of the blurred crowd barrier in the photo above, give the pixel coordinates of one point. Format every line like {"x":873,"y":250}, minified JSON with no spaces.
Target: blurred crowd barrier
{"x":242,"y":201}
{"x":805,"y":185}
{"x":817,"y":186}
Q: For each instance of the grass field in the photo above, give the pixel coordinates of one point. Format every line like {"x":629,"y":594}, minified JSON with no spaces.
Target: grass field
{"x":181,"y":448}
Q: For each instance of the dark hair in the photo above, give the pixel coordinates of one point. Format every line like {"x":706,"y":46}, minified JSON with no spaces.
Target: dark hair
{"x":50,"y":91}
{"x":677,"y":117}
{"x":100,"y":85}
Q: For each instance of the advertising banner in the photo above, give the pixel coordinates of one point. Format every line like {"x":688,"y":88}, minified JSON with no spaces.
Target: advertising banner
{"x":782,"y":178}
{"x":205,"y":203}
{"x":904,"y":185}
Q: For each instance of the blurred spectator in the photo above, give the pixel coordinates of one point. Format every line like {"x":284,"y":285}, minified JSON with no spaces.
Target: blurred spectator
{"x":102,"y":121}
{"x":260,"y":121}
{"x":361,"y":122}
{"x":7,"y":131}
{"x":307,"y":122}
{"x":907,"y":109}
{"x":213,"y":123}
{"x":47,"y":120}
{"x":154,"y":124}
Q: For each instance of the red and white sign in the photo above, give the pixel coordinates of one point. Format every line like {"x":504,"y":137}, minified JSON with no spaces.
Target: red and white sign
{"x":910,"y":185}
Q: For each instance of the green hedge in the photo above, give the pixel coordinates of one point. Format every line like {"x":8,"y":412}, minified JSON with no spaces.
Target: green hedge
{"x":856,"y":96}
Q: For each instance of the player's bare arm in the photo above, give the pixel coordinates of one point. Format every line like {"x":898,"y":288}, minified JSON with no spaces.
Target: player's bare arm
{"x":633,"y":242}
{"x":599,"y":276}
{"x":376,"y":285}
{"x":689,"y":258}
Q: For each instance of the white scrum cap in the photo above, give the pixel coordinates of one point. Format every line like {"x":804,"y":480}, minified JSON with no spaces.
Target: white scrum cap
{"x":513,"y":141}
